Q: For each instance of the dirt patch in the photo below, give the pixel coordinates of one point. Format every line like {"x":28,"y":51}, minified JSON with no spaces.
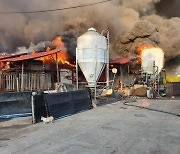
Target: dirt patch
{"x":8,"y":132}
{"x":10,"y":128}
{"x":4,"y":139}
{"x":14,"y":127}
{"x":141,"y":91}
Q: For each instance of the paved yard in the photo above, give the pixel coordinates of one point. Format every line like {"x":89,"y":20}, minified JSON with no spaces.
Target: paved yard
{"x":109,"y":129}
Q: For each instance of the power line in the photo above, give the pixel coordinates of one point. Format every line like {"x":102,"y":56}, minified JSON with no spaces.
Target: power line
{"x":53,"y":10}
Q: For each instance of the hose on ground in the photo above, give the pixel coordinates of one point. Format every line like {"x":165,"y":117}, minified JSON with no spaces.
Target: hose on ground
{"x":127,"y":103}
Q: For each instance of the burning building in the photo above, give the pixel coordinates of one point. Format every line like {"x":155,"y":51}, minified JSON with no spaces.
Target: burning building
{"x":131,"y":24}
{"x":37,"y":71}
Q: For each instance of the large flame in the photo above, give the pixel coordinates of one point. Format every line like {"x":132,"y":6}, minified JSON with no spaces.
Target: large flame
{"x":57,"y":42}
{"x":140,"y":49}
{"x":62,"y":56}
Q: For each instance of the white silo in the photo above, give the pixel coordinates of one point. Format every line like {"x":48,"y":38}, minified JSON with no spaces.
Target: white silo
{"x":92,"y":55}
{"x":152,"y":64}
{"x":152,"y":60}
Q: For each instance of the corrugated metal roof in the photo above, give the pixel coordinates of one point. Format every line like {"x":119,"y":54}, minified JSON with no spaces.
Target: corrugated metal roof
{"x":11,"y":56}
{"x":31,"y":56}
{"x":120,"y":61}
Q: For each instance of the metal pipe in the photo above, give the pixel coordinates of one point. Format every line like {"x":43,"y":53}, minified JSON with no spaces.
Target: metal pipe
{"x":57,"y":68}
{"x":17,"y":82}
{"x":113,"y":80}
{"x":95,"y":91}
{"x":95,"y":82}
{"x":107,"y":58}
{"x":32,"y":106}
{"x":9,"y":81}
{"x":121,"y":77}
{"x":29,"y":78}
{"x":5,"y":76}
{"x":34,"y":83}
{"x":9,"y":76}
{"x":22,"y":79}
{"x":77,"y":70}
{"x":13,"y":81}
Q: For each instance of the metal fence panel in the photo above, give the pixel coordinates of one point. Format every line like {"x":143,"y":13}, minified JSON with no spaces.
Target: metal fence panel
{"x":15,"y":103}
{"x":68,"y":103}
{"x":39,"y":108}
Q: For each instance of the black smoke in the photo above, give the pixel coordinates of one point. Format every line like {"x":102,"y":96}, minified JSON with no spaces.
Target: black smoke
{"x":168,"y":8}
{"x":70,"y":40}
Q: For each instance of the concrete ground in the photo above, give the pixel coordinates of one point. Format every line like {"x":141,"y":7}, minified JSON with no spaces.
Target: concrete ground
{"x":108,"y":129}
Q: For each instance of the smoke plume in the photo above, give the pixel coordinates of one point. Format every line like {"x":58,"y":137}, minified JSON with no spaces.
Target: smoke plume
{"x":131,"y":22}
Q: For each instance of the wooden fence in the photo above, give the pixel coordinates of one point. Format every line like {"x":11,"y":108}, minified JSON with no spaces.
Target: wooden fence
{"x":28,"y":81}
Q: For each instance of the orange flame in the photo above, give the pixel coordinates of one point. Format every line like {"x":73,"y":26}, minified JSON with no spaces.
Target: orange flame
{"x":48,"y":49}
{"x":34,"y":51}
{"x":140,"y":49}
{"x":62,"y":59}
{"x":62,"y":56}
{"x":7,"y":65}
{"x":2,"y":65}
{"x":57,"y":42}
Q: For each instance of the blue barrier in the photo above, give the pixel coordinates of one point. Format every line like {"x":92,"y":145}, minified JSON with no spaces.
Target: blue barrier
{"x":18,"y":104}
{"x":15,"y":116}
{"x":15,"y":104}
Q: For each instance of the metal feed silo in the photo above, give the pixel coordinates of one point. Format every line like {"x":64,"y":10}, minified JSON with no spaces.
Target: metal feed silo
{"x":92,"y":55}
{"x":153,"y":76}
{"x":152,"y":57}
